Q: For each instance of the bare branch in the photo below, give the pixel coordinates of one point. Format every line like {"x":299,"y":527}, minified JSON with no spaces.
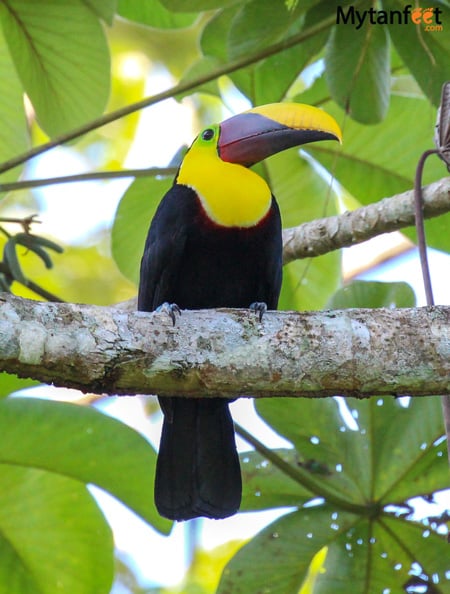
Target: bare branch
{"x":325,"y":235}
{"x":228,"y":352}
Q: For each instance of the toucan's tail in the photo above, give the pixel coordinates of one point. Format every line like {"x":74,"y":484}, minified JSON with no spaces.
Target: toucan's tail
{"x":197,"y":473}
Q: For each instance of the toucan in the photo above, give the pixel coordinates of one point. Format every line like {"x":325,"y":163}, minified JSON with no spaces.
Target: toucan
{"x":215,"y":241}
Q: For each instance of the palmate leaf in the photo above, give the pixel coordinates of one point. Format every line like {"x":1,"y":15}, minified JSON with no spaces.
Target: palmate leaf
{"x":377,"y":462}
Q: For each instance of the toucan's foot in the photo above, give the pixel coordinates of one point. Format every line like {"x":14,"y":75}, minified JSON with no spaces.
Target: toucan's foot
{"x":259,"y":307}
{"x":170,"y":309}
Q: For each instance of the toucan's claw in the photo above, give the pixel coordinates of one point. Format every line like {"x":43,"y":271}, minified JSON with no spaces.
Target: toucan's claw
{"x":259,"y":307}
{"x":170,"y":309}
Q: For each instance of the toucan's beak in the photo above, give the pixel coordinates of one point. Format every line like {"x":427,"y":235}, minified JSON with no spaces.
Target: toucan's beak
{"x":252,"y":136}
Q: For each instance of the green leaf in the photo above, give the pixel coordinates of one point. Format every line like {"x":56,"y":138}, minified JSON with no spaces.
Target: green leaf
{"x":196,"y":5}
{"x":265,"y":486}
{"x":425,"y":53}
{"x":154,"y":14}
{"x":10,"y":383}
{"x":373,"y":294}
{"x":61,"y":56}
{"x":410,"y":454}
{"x":104,"y":9}
{"x":258,"y":23}
{"x":377,"y":557}
{"x":83,"y":444}
{"x":277,"y":559}
{"x":53,"y":537}
{"x":14,"y":138}
{"x":358,"y":71}
{"x":214,"y":37}
{"x":132,"y":221}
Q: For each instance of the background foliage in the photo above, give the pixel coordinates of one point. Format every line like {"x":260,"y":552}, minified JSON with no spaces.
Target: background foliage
{"x":352,"y":467}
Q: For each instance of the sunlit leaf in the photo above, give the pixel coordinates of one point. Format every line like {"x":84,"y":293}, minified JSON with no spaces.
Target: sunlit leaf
{"x":53,"y":537}
{"x":83,"y":444}
{"x":61,"y":56}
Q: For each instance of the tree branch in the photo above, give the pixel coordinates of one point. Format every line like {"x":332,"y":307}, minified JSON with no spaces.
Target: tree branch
{"x":326,"y":235}
{"x":228,"y":352}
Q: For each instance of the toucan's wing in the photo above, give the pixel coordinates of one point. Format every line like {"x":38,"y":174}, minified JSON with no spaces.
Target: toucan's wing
{"x":164,"y":247}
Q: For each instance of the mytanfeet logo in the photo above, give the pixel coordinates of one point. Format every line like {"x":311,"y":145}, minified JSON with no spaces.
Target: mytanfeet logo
{"x":430,"y":18}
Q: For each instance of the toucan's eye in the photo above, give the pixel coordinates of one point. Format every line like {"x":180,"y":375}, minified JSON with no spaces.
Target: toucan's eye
{"x":208,"y":134}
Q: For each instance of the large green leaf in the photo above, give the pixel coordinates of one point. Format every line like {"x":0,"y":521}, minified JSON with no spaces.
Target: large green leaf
{"x":83,"y":444}
{"x":13,"y":130}
{"x":358,"y":71}
{"x":53,"y":537}
{"x":60,"y":52}
{"x":426,"y":53}
{"x":134,"y":213}
{"x":153,"y":14}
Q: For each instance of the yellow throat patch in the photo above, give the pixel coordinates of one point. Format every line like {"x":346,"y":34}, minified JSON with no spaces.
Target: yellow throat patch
{"x":231,"y":195}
